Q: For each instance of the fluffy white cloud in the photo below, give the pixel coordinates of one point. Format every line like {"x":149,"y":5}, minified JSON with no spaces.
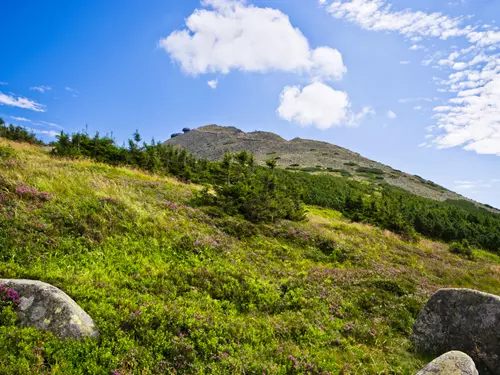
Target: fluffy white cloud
{"x":213,"y":83}
{"x":405,"y":62}
{"x":314,"y":105}
{"x":391,"y":115}
{"x":41,"y":89}
{"x":229,"y":35}
{"x":20,"y":102}
{"x":319,"y":105}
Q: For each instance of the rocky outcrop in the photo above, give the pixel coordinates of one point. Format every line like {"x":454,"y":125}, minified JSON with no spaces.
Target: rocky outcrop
{"x":451,"y":363}
{"x":461,"y":319}
{"x":46,"y":307}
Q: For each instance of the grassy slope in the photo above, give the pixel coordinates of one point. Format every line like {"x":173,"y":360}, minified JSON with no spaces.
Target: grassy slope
{"x":172,"y":293}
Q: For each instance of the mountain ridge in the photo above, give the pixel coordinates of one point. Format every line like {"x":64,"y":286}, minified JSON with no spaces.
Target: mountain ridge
{"x":212,"y":141}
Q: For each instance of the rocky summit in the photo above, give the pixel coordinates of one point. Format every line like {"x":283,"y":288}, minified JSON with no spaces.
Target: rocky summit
{"x":212,"y":141}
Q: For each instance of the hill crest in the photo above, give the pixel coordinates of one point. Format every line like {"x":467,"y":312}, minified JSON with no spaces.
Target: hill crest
{"x":212,"y":141}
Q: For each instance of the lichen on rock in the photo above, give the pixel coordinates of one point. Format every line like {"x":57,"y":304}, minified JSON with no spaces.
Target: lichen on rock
{"x":461,"y":319}
{"x":44,"y":306}
{"x":451,"y":363}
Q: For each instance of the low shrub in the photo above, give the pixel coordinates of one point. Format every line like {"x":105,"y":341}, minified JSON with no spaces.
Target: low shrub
{"x":462,"y":248}
{"x":6,"y":152}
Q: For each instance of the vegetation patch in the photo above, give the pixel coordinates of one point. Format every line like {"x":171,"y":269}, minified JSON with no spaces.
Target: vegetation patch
{"x":179,"y":288}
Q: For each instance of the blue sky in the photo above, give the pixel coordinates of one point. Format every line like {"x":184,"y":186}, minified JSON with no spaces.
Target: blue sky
{"x":415,"y":85}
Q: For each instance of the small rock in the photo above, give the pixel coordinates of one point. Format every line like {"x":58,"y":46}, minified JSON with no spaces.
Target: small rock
{"x":451,"y":363}
{"x":461,"y":319}
{"x":44,"y":306}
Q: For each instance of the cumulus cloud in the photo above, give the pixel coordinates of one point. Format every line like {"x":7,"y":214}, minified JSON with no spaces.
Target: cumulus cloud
{"x":314,"y":105}
{"x":391,"y":115}
{"x":319,"y":105}
{"x":230,"y":35}
{"x":20,"y":102}
{"x":213,"y":83}
{"x":41,"y":89}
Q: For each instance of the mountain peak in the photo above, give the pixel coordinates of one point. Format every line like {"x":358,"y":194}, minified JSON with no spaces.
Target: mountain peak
{"x":212,"y":141}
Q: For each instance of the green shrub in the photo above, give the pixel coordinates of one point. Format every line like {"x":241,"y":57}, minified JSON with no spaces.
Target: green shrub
{"x":6,"y":152}
{"x":462,"y":248}
{"x":367,"y":170}
{"x":18,"y":134}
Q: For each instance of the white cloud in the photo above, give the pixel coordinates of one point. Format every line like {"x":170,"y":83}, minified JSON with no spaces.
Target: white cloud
{"x":418,"y":108}
{"x":229,"y":35}
{"x":405,"y":62}
{"x":391,"y":115}
{"x":41,"y":89}
{"x":20,"y":102}
{"x":377,"y":15}
{"x":314,"y":105}
{"x":416,"y":47}
{"x":470,"y":119}
{"x":49,"y":133}
{"x":75,"y":92}
{"x":356,"y":118}
{"x":51,"y":124}
{"x":411,"y":100}
{"x":472,"y":185}
{"x":213,"y":83}
{"x":24,"y":119}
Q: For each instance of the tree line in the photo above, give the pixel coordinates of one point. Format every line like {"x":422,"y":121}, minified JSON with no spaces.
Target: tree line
{"x":18,"y":133}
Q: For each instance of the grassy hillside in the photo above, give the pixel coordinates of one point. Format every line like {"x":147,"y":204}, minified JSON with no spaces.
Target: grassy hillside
{"x":212,"y":141}
{"x":175,"y":291}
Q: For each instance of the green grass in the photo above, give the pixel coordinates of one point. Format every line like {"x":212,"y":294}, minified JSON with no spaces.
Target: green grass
{"x":175,"y":291}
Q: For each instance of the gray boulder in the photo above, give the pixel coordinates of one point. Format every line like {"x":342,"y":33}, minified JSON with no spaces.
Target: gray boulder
{"x":461,"y":319}
{"x":451,"y":363}
{"x":46,"y":307}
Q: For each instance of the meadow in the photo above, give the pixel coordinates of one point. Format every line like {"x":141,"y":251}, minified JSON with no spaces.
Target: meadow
{"x":175,"y":289}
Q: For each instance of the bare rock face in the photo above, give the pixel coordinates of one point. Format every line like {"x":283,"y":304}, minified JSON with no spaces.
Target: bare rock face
{"x":451,"y":363}
{"x":461,"y":319}
{"x":46,"y":307}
